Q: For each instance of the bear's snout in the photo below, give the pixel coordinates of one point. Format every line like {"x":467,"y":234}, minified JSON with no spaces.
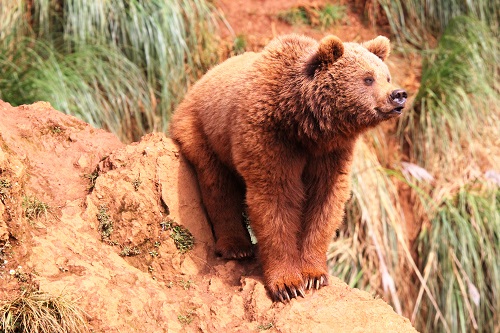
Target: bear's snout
{"x":398,"y":97}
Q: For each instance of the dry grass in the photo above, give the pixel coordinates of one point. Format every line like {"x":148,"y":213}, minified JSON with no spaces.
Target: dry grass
{"x":459,"y":255}
{"x":370,"y":253}
{"x":40,"y":312}
{"x":34,"y":208}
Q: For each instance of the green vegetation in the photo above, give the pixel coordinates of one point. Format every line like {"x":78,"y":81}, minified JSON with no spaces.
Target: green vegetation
{"x":239,"y":44}
{"x":34,"y":208}
{"x":130,"y":251}
{"x":457,"y":92}
{"x":121,"y":65}
{"x":459,"y":254}
{"x":91,"y":177}
{"x":331,"y":14}
{"x":37,"y":311}
{"x":105,"y":223}
{"x":414,"y":21}
{"x":5,"y":185}
{"x":369,"y":254}
{"x":183,"y":239}
{"x":136,"y":183}
{"x":295,"y":15}
{"x":265,"y":327}
{"x":187,"y":318}
{"x":315,"y":16}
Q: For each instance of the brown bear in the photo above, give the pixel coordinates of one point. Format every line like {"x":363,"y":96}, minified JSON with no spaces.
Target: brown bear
{"x":275,"y":131}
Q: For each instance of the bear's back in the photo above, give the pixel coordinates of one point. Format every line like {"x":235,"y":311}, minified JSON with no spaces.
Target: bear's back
{"x":213,"y":104}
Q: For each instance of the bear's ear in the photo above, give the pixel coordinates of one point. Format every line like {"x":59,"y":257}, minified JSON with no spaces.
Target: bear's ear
{"x":380,"y":46}
{"x":330,"y":49}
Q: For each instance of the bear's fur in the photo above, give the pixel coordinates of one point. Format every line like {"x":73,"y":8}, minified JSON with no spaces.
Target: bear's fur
{"x":275,"y":131}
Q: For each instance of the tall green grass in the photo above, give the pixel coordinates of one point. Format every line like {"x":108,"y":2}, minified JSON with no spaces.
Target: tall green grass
{"x":122,"y":65}
{"x":89,"y":84}
{"x":457,"y":103}
{"x":459,"y":253}
{"x":422,"y":22}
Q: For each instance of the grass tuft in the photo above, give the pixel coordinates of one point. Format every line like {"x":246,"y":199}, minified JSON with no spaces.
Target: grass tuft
{"x":239,"y":44}
{"x":421,"y":22}
{"x":331,"y":14}
{"x":34,"y":208}
{"x":37,"y":312}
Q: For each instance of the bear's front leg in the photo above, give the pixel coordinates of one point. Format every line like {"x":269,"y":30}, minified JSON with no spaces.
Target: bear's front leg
{"x":327,"y":180}
{"x":275,"y":199}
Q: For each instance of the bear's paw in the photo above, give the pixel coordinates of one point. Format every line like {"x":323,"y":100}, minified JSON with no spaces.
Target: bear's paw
{"x":234,"y":248}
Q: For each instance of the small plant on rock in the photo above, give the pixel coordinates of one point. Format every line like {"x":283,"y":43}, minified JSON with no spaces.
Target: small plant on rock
{"x":265,"y":327}
{"x":136,"y":183}
{"x":34,"y":208}
{"x":130,"y":251}
{"x":183,"y":239}
{"x":105,"y":222}
{"x":187,"y":318}
{"x":5,"y":185}
{"x":91,"y":177}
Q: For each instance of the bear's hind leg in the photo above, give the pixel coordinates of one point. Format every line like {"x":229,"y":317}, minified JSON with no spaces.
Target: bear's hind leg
{"x":223,"y":196}
{"x":222,"y":193}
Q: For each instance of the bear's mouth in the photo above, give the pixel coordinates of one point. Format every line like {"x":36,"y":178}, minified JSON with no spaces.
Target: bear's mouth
{"x":397,"y":110}
{"x":392,"y":113}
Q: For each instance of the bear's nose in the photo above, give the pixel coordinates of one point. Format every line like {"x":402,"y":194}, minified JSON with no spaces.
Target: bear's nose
{"x":398,"y":97}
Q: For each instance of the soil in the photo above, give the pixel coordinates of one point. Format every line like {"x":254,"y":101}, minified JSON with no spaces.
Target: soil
{"x":132,"y":277}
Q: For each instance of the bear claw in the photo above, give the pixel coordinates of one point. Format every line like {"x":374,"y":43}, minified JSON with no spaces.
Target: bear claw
{"x":238,"y":255}
{"x":316,"y":283}
{"x":286,"y":294}
{"x":234,"y":249}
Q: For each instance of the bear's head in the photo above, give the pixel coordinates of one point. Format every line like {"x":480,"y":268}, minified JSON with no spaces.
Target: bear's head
{"x":352,"y":84}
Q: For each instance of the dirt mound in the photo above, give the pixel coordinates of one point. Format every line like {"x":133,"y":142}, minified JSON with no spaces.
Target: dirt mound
{"x":115,"y":238}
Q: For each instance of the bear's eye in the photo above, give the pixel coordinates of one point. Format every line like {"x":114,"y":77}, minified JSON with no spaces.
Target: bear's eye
{"x":369,"y":81}
{"x":389,"y":79}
